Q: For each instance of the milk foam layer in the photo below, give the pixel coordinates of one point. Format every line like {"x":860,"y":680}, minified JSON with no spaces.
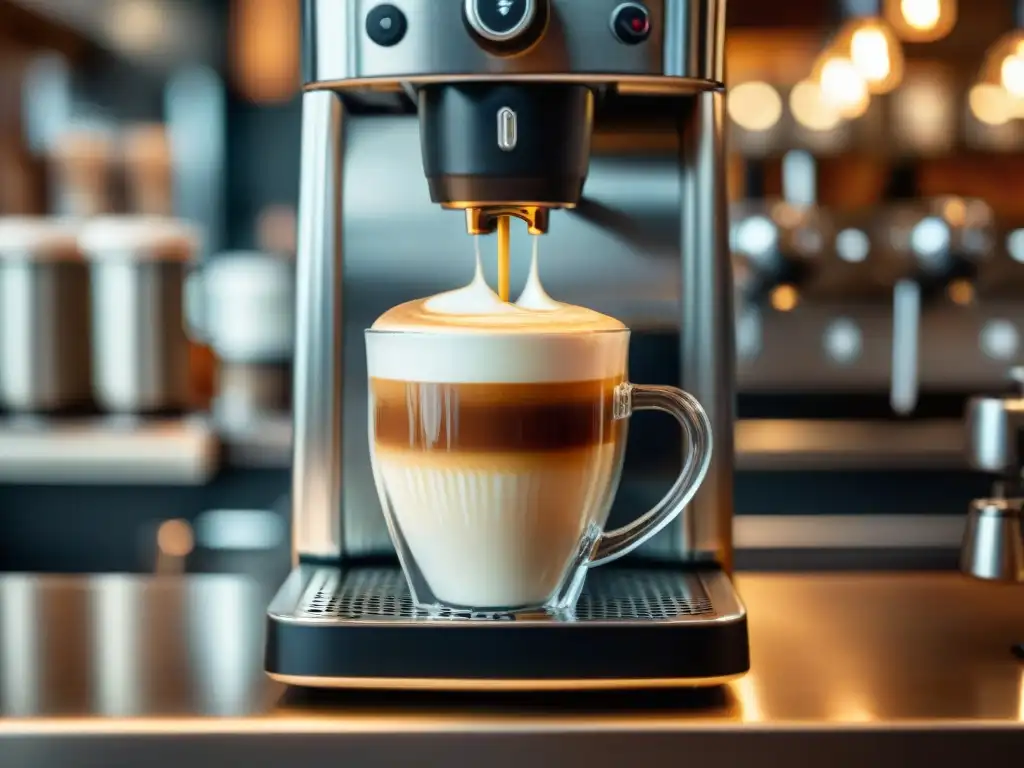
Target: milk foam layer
{"x":470,"y":335}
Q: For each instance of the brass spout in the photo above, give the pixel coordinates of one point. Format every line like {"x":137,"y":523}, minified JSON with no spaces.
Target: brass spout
{"x":484,"y":220}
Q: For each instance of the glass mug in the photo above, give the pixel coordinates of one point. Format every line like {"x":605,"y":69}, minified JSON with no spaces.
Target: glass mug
{"x":496,"y":457}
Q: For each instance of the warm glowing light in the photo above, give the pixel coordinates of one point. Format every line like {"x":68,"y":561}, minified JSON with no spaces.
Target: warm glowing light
{"x":755,"y":106}
{"x":1020,"y":696}
{"x":784,"y":298}
{"x":138,"y":26}
{"x":844,"y":87}
{"x":750,"y":700}
{"x":921,"y":14}
{"x":1004,"y":67}
{"x":1011,"y":73}
{"x":811,"y":109}
{"x":960,"y":292}
{"x":869,"y":52}
{"x":954,"y":211}
{"x":921,"y":21}
{"x":991,"y":104}
{"x":923,"y":112}
{"x":872,"y":48}
{"x":175,"y":538}
{"x":263,"y":51}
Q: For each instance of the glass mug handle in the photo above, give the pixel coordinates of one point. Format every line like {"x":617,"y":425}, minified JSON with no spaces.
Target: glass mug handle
{"x":697,"y":435}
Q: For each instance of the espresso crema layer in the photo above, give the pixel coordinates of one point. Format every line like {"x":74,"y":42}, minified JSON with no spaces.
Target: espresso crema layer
{"x":493,"y":418}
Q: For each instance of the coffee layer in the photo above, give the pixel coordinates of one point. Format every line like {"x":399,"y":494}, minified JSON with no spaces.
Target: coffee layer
{"x":493,"y":418}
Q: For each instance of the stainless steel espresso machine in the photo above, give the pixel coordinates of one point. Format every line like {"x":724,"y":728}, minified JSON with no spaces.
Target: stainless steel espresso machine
{"x":598,"y":123}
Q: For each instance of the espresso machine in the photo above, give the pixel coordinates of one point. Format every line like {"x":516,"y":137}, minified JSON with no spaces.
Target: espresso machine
{"x":599,"y":124}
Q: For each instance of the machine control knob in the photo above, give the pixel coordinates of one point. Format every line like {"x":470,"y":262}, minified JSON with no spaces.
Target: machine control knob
{"x":386,"y":25}
{"x":631,"y":23}
{"x":502,"y":21}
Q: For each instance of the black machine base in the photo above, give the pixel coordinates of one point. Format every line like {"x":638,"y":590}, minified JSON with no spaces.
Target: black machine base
{"x":356,"y":627}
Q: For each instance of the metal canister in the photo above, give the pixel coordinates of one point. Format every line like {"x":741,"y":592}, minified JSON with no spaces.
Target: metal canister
{"x":243,"y":305}
{"x":44,"y":317}
{"x":140,"y":350}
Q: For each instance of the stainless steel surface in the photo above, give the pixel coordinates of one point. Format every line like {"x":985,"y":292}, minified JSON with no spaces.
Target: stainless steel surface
{"x":880,"y":304}
{"x":848,"y":669}
{"x":248,"y":392}
{"x":107,"y":452}
{"x":625,"y":264}
{"x":44,"y":334}
{"x":320,"y":328}
{"x":706,"y":325}
{"x":906,"y":319}
{"x":993,"y":547}
{"x":242,"y":304}
{"x":686,"y":45}
{"x":847,"y":346}
{"x":140,"y":351}
{"x":798,"y":444}
{"x":868,"y":532}
{"x":263,"y":442}
{"x":195,"y":106}
{"x":381,"y":595}
{"x":481,"y":28}
{"x":993,"y":428}
{"x":632,"y":216}
{"x":619,"y":254}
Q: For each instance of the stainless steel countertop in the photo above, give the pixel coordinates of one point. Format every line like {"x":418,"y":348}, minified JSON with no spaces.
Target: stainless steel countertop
{"x":848,"y":668}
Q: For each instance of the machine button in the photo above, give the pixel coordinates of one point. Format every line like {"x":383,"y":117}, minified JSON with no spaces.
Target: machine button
{"x":631,"y":23}
{"x":500,"y":21}
{"x":386,"y":25}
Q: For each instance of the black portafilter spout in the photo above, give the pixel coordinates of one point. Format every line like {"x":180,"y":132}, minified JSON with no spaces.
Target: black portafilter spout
{"x":506,"y":149}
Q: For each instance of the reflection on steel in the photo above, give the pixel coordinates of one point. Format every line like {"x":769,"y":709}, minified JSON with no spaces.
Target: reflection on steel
{"x":195,"y":105}
{"x":901,"y":648}
{"x":107,"y":451}
{"x":225,"y":645}
{"x":993,"y":547}
{"x":317,"y":418}
{"x":906,"y":328}
{"x":706,"y":327}
{"x":117,"y":646}
{"x":20,"y":647}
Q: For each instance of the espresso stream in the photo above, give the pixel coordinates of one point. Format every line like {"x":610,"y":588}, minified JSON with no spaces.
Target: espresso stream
{"x":493,"y":438}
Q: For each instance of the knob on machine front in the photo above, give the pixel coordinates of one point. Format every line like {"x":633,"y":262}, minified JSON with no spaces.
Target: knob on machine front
{"x":506,"y":26}
{"x":506,"y":94}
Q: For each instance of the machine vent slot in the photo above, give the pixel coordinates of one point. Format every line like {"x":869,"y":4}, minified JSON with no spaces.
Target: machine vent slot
{"x":610,"y":595}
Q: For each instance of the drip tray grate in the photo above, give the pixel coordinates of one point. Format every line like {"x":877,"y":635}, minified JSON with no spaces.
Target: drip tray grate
{"x":610,"y":595}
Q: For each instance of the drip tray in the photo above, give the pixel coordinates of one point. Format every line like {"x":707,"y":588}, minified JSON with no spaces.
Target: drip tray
{"x":634,"y":627}
{"x":616,"y":595}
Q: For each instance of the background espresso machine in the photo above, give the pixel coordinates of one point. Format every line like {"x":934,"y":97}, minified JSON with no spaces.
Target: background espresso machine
{"x":599,"y":124}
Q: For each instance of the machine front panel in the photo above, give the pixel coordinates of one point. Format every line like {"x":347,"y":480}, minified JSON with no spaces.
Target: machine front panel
{"x":435,"y":44}
{"x":618,"y":253}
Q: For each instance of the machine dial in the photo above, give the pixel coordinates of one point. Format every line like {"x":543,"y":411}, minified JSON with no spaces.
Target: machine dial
{"x":504,"y":25}
{"x":631,"y":23}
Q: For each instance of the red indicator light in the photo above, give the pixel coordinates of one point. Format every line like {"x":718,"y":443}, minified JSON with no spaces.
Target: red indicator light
{"x":638,"y":25}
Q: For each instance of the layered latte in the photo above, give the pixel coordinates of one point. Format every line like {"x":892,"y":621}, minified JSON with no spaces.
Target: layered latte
{"x":493,"y":441}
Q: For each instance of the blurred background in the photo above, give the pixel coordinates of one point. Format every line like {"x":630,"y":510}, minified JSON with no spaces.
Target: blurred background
{"x":877,"y":233}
